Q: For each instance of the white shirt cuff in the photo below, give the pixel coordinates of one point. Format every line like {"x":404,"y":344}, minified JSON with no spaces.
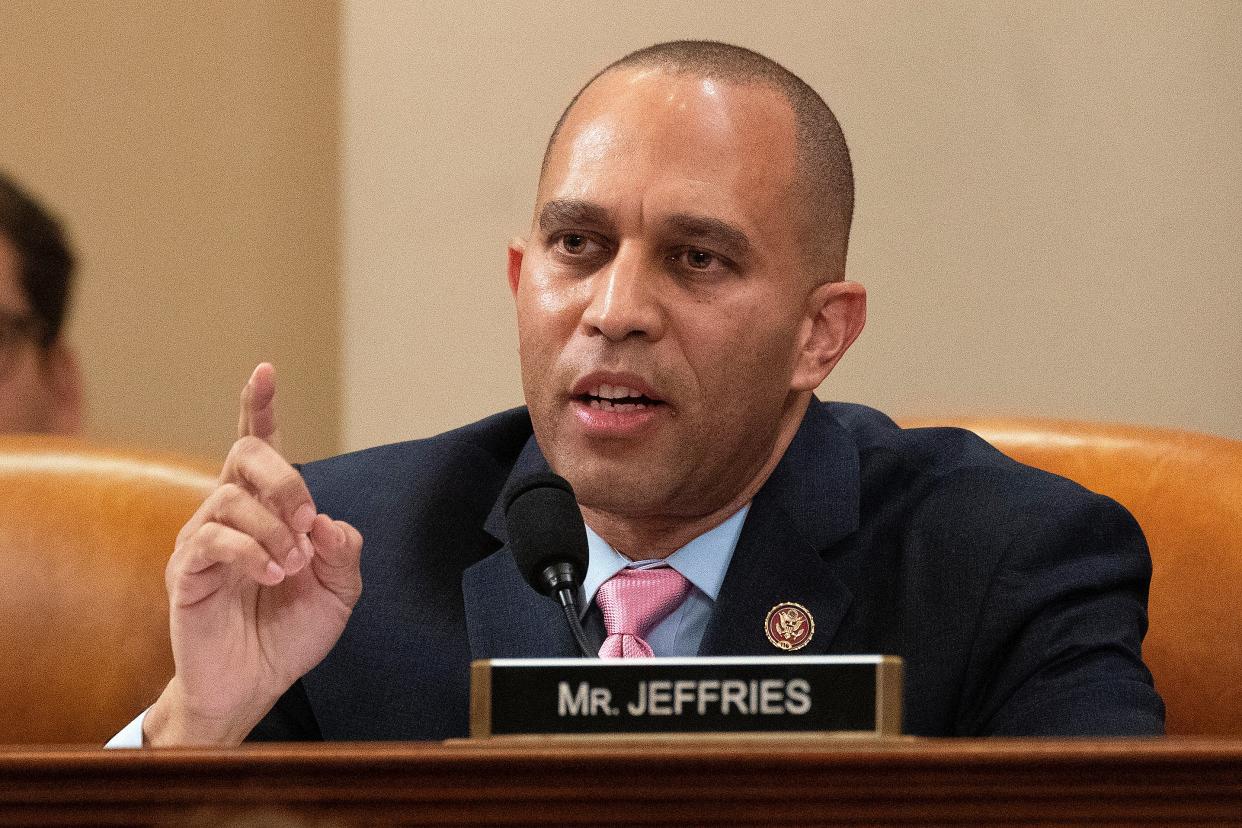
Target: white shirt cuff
{"x":131,"y":735}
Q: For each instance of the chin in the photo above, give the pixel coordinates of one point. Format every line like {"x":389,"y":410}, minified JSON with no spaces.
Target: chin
{"x":615,"y":488}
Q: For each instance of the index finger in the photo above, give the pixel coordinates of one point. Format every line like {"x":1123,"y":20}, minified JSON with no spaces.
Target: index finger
{"x":257,"y":417}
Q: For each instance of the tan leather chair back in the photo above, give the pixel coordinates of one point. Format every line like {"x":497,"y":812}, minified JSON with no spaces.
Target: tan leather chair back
{"x":84,"y":536}
{"x":1185,"y":490}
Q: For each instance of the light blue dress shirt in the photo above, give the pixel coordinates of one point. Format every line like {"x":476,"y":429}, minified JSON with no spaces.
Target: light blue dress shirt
{"x":703,"y":562}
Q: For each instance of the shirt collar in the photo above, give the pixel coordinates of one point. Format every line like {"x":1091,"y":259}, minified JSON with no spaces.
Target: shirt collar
{"x":703,"y":561}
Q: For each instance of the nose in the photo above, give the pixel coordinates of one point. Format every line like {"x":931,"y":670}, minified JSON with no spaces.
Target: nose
{"x":625,"y":299}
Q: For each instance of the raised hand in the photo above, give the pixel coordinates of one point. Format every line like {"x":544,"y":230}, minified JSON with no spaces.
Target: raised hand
{"x":260,"y":586}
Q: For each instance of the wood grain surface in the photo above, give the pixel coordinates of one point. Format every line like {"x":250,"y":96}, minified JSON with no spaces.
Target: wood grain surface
{"x":701,"y":781}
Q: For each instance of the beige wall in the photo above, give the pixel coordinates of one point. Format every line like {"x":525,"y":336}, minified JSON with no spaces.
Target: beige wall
{"x":1048,"y":199}
{"x":1048,"y":206}
{"x":192,"y":150}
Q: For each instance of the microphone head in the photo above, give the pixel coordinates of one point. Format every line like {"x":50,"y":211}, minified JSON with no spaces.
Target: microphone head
{"x":545,"y":529}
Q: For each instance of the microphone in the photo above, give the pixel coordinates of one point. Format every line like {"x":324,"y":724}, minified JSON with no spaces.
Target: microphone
{"x":548,"y":540}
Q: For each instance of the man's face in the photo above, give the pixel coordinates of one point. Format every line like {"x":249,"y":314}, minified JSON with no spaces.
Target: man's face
{"x":662,"y":296}
{"x":25,"y":399}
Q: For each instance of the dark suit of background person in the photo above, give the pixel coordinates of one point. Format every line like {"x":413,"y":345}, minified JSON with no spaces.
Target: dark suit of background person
{"x":1016,"y":598}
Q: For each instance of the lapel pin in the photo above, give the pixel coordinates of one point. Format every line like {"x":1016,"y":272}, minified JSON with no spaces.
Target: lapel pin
{"x":789,"y":626}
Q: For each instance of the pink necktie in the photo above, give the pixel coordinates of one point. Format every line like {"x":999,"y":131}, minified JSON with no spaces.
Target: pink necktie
{"x":633,"y":601}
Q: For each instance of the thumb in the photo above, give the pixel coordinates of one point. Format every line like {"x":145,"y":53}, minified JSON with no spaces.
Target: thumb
{"x":258,"y":406}
{"x":336,"y":564}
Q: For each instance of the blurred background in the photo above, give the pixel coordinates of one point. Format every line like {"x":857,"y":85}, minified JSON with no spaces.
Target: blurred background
{"x":1048,"y":209}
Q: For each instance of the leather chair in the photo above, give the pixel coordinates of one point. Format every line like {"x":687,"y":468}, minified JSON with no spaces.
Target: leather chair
{"x":85,"y":532}
{"x":1185,"y":490}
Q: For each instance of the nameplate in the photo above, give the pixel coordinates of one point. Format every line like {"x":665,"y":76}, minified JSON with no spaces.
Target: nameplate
{"x":858,"y":695}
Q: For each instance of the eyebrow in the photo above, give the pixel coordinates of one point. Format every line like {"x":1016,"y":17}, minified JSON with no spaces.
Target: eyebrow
{"x":569,"y":212}
{"x":709,"y":229}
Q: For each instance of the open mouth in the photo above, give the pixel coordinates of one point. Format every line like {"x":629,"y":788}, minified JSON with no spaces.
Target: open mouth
{"x":617,"y":398}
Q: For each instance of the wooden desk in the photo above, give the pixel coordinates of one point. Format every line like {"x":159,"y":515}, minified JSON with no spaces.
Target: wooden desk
{"x":797,"y":781}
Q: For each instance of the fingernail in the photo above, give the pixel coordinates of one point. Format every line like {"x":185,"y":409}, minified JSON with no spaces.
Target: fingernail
{"x":300,"y":556}
{"x":340,"y":535}
{"x":304,"y":518}
{"x":274,"y":573}
{"x":295,"y":559}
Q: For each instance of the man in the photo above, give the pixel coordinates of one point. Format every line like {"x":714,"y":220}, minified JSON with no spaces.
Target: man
{"x":40,"y":385}
{"x":679,"y":298}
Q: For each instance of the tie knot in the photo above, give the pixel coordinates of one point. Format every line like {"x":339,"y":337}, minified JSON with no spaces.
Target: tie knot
{"x":635,"y":600}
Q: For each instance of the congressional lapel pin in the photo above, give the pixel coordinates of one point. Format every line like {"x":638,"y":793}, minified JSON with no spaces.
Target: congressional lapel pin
{"x":789,"y":626}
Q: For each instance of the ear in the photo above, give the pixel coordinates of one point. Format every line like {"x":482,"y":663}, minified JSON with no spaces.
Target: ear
{"x":517,"y":250}
{"x":63,"y":381}
{"x":835,"y":315}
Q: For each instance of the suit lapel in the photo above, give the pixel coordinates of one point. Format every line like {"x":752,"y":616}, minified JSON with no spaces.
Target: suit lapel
{"x":505,"y":617}
{"x":808,"y":504}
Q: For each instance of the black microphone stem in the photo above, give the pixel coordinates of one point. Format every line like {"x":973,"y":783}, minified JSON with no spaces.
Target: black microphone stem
{"x":569,"y":603}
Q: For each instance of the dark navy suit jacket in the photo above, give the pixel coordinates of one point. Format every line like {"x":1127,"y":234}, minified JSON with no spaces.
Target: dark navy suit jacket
{"x":1016,"y":598}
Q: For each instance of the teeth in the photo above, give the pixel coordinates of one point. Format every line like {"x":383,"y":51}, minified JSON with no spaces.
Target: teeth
{"x":613,"y":392}
{"x":609,"y":405}
{"x":605,"y":397}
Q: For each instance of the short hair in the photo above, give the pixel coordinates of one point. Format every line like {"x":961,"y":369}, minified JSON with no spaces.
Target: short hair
{"x":825,"y":176}
{"x":45,"y":261}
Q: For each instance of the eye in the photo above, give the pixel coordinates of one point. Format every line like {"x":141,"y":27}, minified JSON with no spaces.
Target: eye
{"x":699,"y":260}
{"x":578,"y":249}
{"x":574,"y":243}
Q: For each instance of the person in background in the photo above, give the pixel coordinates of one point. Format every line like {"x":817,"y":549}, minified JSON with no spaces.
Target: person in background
{"x":40,"y":382}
